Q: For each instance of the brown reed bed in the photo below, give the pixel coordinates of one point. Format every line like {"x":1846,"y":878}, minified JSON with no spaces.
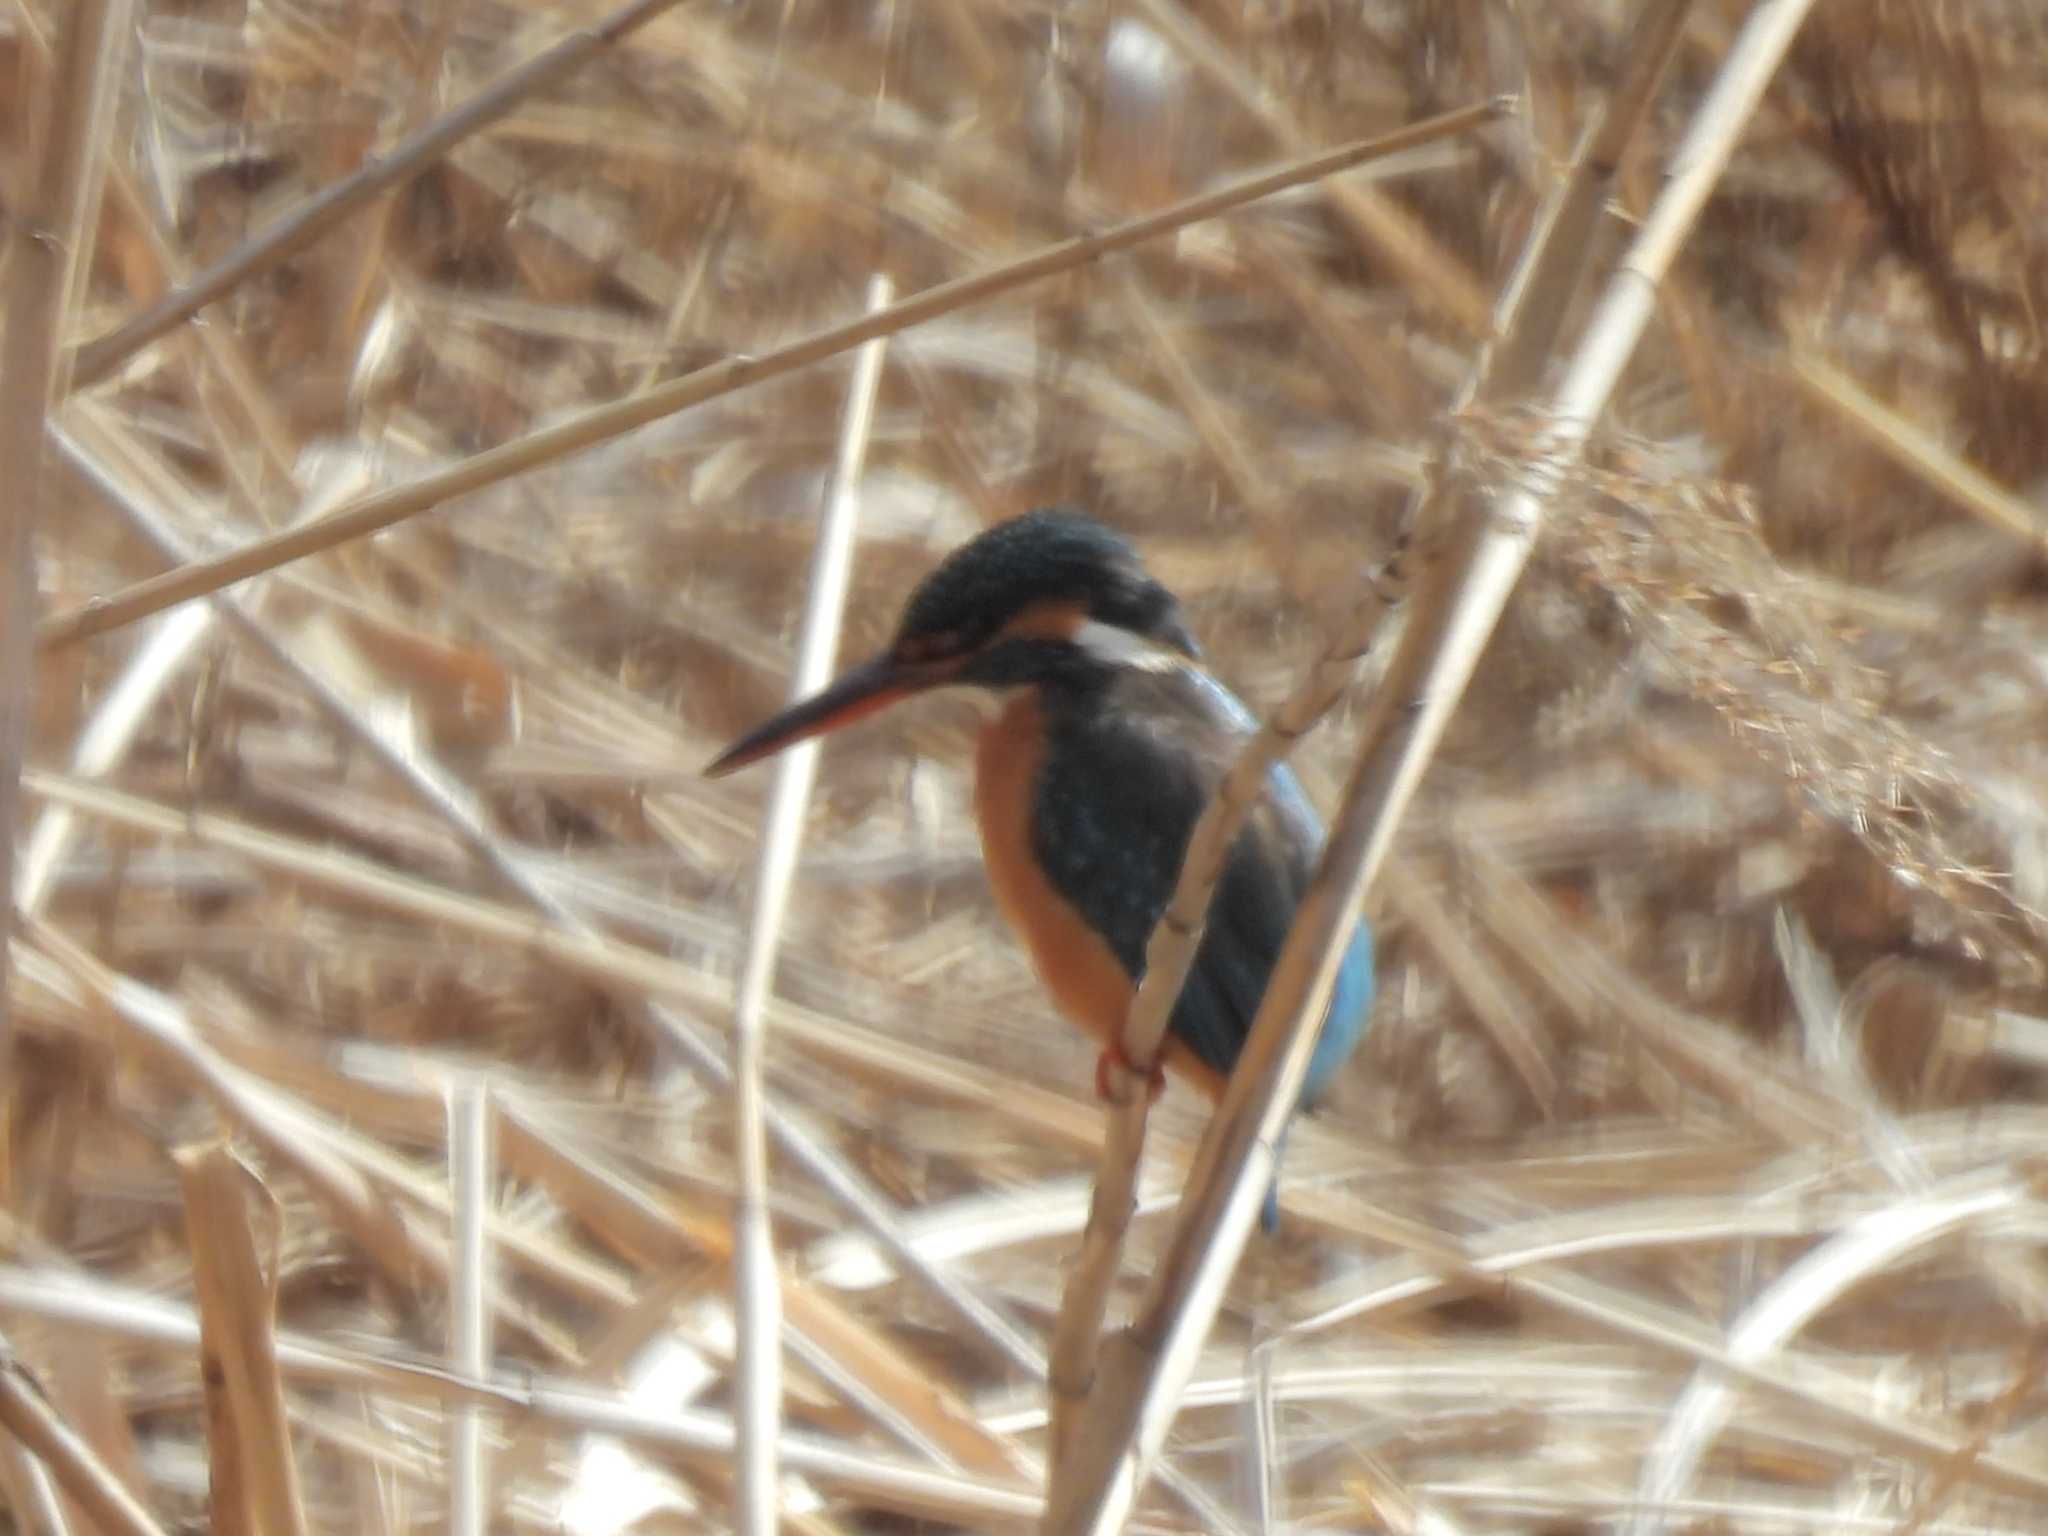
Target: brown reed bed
{"x":1687,"y":1180}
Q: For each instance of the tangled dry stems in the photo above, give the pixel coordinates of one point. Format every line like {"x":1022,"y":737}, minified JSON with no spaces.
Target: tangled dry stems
{"x":1745,"y":795}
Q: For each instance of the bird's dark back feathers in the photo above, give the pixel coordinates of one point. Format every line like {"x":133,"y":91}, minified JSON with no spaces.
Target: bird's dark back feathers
{"x":1127,"y":771}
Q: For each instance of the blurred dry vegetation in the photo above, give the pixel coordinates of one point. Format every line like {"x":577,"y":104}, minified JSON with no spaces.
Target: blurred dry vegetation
{"x":1712,"y":943}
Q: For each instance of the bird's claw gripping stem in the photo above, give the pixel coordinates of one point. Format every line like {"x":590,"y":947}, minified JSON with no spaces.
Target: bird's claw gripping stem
{"x":1115,"y":1073}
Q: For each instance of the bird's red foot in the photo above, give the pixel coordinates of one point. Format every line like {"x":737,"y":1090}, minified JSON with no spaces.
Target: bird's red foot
{"x":1115,"y":1072}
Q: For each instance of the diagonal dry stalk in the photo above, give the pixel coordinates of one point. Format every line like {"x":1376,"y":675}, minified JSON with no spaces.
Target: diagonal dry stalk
{"x":1607,"y":807}
{"x":386,"y":508}
{"x":1920,"y":454}
{"x":1381,"y":223}
{"x":28,"y":1417}
{"x":758,"y":1294}
{"x":1458,"y":608}
{"x":1532,"y":310}
{"x":327,"y":209}
{"x":48,"y":251}
{"x":158,"y":1031}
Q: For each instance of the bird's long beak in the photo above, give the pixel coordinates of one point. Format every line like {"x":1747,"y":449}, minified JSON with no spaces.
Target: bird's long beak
{"x":871,"y":686}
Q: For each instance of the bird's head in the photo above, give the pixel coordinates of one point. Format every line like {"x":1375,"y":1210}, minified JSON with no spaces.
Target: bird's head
{"x":1051,"y":597}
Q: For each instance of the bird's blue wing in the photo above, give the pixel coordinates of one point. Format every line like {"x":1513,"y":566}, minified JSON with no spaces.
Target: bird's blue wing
{"x":1295,"y":826}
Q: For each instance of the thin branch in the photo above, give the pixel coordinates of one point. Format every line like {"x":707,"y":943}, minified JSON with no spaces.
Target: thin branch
{"x":385,"y":508}
{"x":1439,"y":650}
{"x":758,"y":1296}
{"x":324,"y":210}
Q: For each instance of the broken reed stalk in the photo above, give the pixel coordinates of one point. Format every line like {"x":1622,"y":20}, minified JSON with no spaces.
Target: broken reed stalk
{"x":52,"y":238}
{"x":1533,"y":305}
{"x":353,"y":1179}
{"x":385,"y":508}
{"x":237,"y":1308}
{"x":757,"y":1293}
{"x":329,"y":207}
{"x":1460,"y":604}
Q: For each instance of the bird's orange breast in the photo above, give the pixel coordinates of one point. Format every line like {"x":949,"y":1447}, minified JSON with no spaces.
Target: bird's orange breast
{"x":1077,"y":967}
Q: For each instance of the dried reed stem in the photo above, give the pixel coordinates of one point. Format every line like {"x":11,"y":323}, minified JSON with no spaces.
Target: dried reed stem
{"x":1522,"y":1261}
{"x":48,"y":251}
{"x":1440,"y":648}
{"x":1731,"y":623}
{"x":757,"y":1294}
{"x":385,"y":508}
{"x":327,"y":209}
{"x":892,"y":1388}
{"x":471,"y":1122}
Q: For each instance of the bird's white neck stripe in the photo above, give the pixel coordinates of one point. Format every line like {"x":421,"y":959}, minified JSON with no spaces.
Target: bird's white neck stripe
{"x":1121,"y":647}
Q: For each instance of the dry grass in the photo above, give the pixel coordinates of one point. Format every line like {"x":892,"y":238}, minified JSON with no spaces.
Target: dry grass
{"x":1689,"y":1178}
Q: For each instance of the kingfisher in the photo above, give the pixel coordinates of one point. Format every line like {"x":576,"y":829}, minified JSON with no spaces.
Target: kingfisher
{"x":1107,"y":739}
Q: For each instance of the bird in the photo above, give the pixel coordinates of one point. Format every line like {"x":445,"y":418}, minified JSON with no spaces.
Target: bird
{"x":1107,"y":738}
